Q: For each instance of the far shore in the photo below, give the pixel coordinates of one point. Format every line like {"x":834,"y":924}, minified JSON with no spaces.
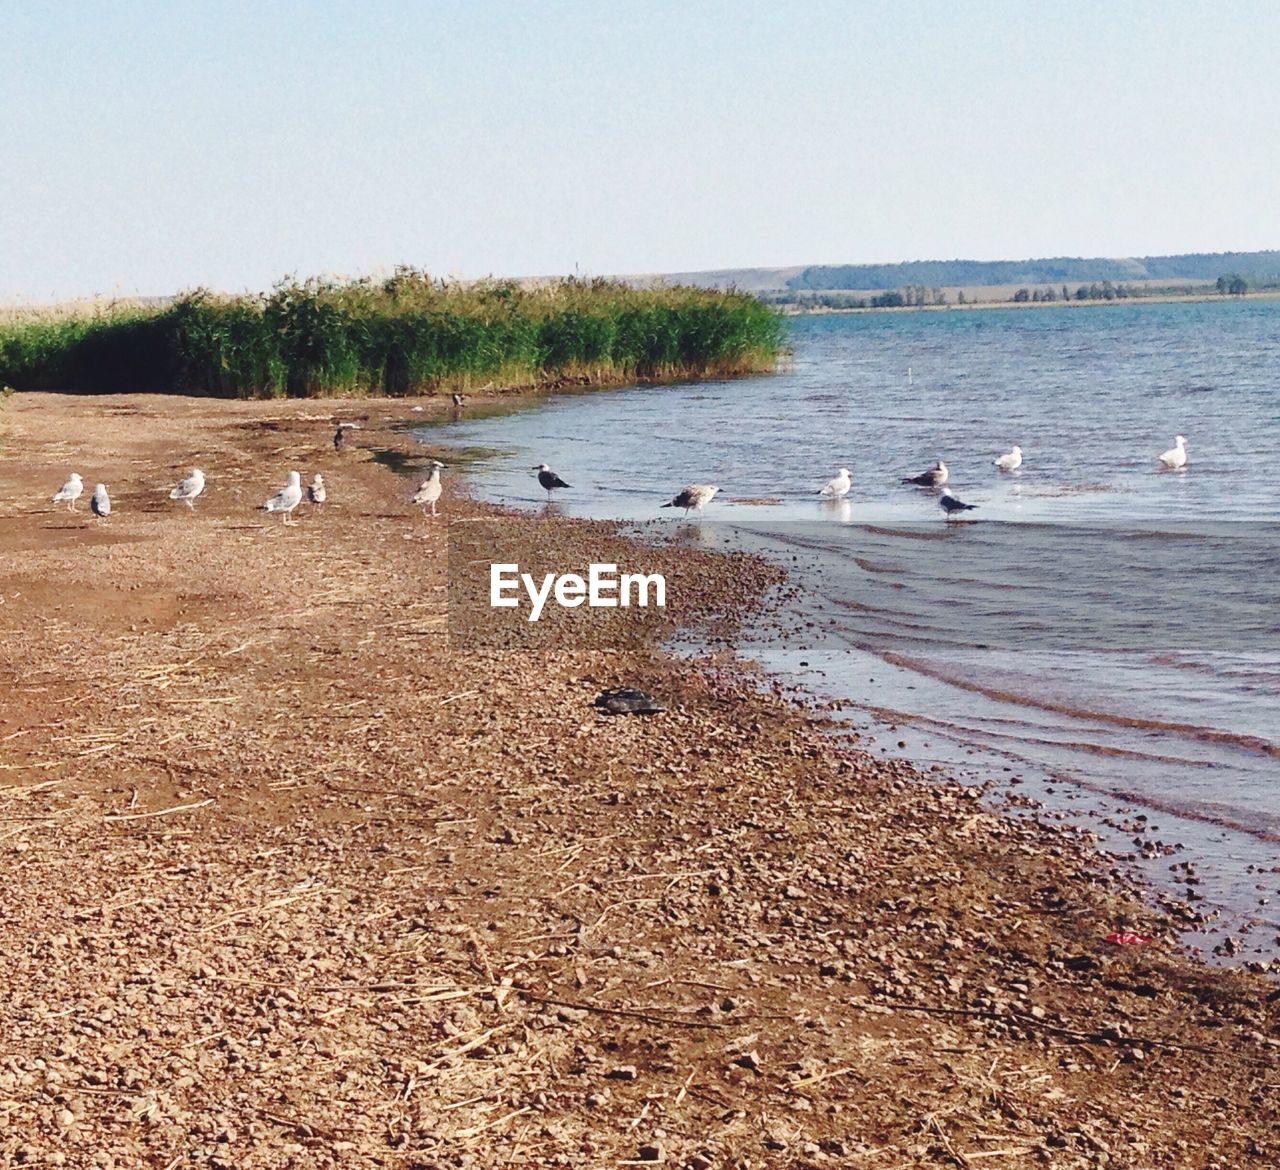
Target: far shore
{"x":295,"y":877}
{"x":1169,"y":299}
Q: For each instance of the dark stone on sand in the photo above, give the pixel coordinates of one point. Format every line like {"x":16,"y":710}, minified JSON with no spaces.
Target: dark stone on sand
{"x":627,"y":701}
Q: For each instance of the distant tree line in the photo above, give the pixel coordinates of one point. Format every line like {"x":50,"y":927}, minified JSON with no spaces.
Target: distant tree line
{"x":1106,"y":291}
{"x":1202,"y":266}
{"x":912,"y":296}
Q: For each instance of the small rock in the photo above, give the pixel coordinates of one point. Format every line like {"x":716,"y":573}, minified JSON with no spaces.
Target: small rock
{"x":624,"y":1072}
{"x":651,"y":1152}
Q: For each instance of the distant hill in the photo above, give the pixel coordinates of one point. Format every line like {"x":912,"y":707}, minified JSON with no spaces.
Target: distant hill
{"x":1197,"y":266}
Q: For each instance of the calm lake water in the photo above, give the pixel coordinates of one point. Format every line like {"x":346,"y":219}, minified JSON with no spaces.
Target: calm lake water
{"x":1103,"y":632}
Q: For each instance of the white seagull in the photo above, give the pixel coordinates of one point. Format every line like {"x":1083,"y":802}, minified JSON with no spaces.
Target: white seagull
{"x":316,"y":493}
{"x":100,"y":502}
{"x":287,"y":498}
{"x":188,"y":489}
{"x":1010,"y":461}
{"x":429,"y":490}
{"x":1176,"y":456}
{"x":838,"y":488}
{"x":70,"y":491}
{"x":951,"y":505}
{"x":936,"y":476}
{"x":694,"y":495}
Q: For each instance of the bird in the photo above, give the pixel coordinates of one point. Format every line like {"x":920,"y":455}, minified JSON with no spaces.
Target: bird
{"x":951,"y":505}
{"x":316,"y":493}
{"x":70,"y":491}
{"x":287,"y":498}
{"x":1176,"y":456}
{"x":188,"y":489}
{"x":429,"y":490}
{"x":100,"y":502}
{"x":459,"y":399}
{"x":694,"y":495}
{"x":838,"y":488}
{"x":1010,"y":461}
{"x":936,"y":476}
{"x":549,"y":479}
{"x":340,"y":435}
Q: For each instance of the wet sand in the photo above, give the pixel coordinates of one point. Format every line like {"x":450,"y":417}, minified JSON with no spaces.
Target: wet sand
{"x":292,"y":883}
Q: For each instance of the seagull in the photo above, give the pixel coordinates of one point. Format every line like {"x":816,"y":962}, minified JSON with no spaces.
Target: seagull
{"x":340,"y":435}
{"x":549,"y":479}
{"x":951,"y":505}
{"x":936,"y":476}
{"x":694,"y":495}
{"x":459,"y":399}
{"x":1011,"y":461}
{"x":429,"y":490}
{"x":1175,"y":457}
{"x":316,"y":493}
{"x":287,"y":498}
{"x":100,"y":502}
{"x":189,"y":488}
{"x":838,"y":488}
{"x":70,"y":491}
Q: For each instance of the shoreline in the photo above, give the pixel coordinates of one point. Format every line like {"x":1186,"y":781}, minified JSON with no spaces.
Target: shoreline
{"x":1170,"y":299}
{"x":315,"y":890}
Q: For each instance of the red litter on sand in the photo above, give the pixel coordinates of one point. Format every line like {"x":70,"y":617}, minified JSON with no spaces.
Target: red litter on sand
{"x":1126,"y":938}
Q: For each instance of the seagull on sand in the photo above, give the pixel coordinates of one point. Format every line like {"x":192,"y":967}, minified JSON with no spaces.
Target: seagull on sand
{"x":951,"y":505}
{"x":936,"y":476}
{"x":549,"y":479}
{"x":694,"y":495}
{"x":100,"y":502}
{"x":287,"y":498}
{"x":429,"y":490}
{"x":838,"y":488}
{"x":188,"y":489}
{"x":1010,"y":461}
{"x":1176,"y":456}
{"x":316,"y":493}
{"x":459,"y":399}
{"x":70,"y":491}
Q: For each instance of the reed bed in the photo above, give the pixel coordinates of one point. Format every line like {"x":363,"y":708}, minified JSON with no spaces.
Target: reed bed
{"x":409,"y":334}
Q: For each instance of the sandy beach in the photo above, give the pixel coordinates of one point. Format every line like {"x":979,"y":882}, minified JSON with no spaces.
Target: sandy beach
{"x":292,"y":882}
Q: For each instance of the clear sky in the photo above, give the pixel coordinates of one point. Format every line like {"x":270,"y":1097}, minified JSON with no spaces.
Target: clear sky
{"x":152,"y":146}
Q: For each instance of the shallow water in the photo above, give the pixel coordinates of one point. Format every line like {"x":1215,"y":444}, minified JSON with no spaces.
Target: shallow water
{"x":1103,"y":631}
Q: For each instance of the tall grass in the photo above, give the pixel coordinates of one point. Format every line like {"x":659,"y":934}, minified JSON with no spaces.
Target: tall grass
{"x":409,"y":334}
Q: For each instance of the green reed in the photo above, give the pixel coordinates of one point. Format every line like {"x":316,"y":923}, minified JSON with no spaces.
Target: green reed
{"x":409,"y":334}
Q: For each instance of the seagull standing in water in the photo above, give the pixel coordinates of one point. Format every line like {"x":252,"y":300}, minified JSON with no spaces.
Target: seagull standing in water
{"x":837,"y":488}
{"x":951,"y":505}
{"x":100,"y":502}
{"x":69,"y":492}
{"x":1176,"y":456}
{"x":429,"y":490}
{"x":936,"y":476}
{"x":694,"y":495}
{"x":1010,"y":461}
{"x":287,"y":498}
{"x":316,"y":493}
{"x":549,"y":479}
{"x":189,"y":488}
